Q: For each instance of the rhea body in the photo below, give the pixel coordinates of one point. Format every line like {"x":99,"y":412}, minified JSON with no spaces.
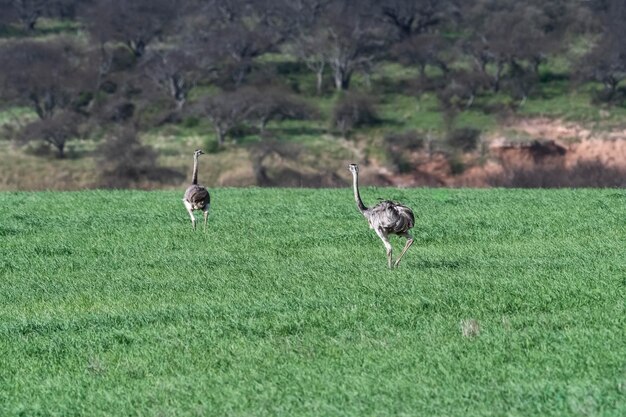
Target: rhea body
{"x":386,"y":218}
{"x":196,"y":196}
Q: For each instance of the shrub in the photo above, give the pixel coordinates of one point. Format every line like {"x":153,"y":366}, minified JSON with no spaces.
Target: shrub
{"x":400,"y":145}
{"x":465,"y":139}
{"x":583,"y":174}
{"x":56,"y":131}
{"x":124,"y":162}
{"x":211,"y":145}
{"x":354,"y":110}
{"x":457,"y":166}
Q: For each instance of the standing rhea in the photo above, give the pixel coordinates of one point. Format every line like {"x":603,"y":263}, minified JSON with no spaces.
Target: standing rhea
{"x":196,"y":196}
{"x":387,"y":217}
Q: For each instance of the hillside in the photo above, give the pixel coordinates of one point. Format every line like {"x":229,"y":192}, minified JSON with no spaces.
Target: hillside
{"x":109,"y":94}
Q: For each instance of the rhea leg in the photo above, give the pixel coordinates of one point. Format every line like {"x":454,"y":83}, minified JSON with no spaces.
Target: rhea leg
{"x":385,"y":238}
{"x":409,"y":242}
{"x":190,"y":211}
{"x":206,"y":216}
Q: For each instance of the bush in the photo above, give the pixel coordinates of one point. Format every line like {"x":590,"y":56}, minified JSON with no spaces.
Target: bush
{"x":457,"y":166}
{"x":584,"y":174}
{"x":400,"y":145}
{"x":411,"y":140}
{"x":211,"y":145}
{"x":190,"y":122}
{"x":354,"y":110}
{"x":465,"y":139}
{"x":125,"y":162}
{"x":56,"y":131}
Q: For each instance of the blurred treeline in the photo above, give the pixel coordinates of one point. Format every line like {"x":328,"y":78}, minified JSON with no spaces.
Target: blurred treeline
{"x":108,"y":69}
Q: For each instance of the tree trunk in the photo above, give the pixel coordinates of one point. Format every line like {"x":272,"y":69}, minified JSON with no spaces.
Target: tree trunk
{"x":263,"y":124}
{"x":342,"y":78}
{"x":320,"y":78}
{"x":178,"y":91}
{"x":422,"y":68}
{"x":610,"y":85}
{"x":220,"y":134}
{"x":138,"y":47}
{"x":60,"y":149}
{"x":498,"y":77}
{"x":30,"y":24}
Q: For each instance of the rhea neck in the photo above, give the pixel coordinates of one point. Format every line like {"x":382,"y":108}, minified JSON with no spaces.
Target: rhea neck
{"x":194,"y":177}
{"x":357,"y":196}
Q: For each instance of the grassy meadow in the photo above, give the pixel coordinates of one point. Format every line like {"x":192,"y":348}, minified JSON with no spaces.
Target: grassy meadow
{"x":510,"y":303}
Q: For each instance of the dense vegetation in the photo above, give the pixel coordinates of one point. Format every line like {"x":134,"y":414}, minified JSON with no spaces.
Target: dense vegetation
{"x":510,"y":303}
{"x":104,"y":78}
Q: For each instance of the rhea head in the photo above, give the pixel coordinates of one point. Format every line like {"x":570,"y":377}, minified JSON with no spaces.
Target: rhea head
{"x":354,"y":168}
{"x":197,"y":153}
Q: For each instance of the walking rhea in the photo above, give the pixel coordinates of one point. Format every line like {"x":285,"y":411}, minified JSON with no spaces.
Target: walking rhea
{"x":387,"y":217}
{"x":196,"y":196}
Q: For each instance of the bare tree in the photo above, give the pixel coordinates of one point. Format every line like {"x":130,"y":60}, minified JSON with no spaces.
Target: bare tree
{"x":413,"y":17}
{"x":226,"y":110}
{"x":26,"y":11}
{"x":311,"y":50}
{"x":342,"y":34}
{"x":354,"y":110}
{"x":135,"y":23}
{"x":261,"y":151}
{"x":460,"y":89}
{"x":423,"y":50}
{"x":352,"y":39}
{"x":275,"y":103}
{"x":51,"y":78}
{"x":505,"y":34}
{"x":123,"y":162}
{"x":56,"y":130}
{"x":175,"y":71}
{"x":606,"y":61}
{"x":244,"y":31}
{"x":239,"y":46}
{"x":302,"y":17}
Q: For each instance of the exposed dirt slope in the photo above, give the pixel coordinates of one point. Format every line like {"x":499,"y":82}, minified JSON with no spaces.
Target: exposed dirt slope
{"x":530,"y":152}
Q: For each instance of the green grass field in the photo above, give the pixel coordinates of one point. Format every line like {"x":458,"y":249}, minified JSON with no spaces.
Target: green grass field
{"x":111,"y":306}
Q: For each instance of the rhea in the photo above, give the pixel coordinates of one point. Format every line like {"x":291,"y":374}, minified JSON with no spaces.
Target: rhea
{"x":386,"y":218}
{"x":196,"y":196}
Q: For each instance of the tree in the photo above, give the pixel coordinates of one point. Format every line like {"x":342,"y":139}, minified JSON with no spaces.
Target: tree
{"x":239,"y":46}
{"x":175,"y":71}
{"x":56,"y":130}
{"x":351,"y":39}
{"x":134,"y":23}
{"x":261,"y":151}
{"x":231,"y":34}
{"x":26,"y":11}
{"x":414,"y":17}
{"x":460,"y":88}
{"x":354,"y":110}
{"x":606,"y":61}
{"x":312,"y":51}
{"x":301,"y":18}
{"x":226,"y":110}
{"x":423,"y":50}
{"x":123,"y":162}
{"x":53,"y":79}
{"x":275,"y":103}
{"x":507,"y":35}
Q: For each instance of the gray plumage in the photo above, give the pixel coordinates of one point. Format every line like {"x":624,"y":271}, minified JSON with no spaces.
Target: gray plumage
{"x":386,"y":218}
{"x":196,"y":196}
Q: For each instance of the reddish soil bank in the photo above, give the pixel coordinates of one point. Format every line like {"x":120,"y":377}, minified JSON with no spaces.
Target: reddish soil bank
{"x":551,"y":154}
